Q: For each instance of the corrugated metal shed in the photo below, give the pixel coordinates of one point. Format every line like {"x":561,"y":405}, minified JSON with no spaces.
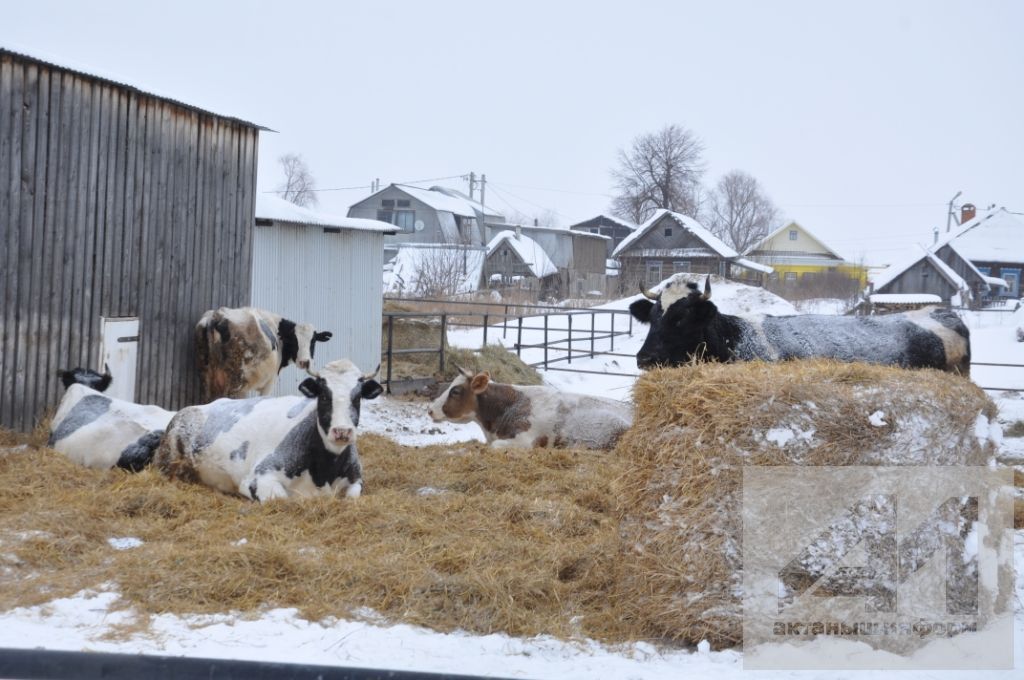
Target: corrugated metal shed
{"x":314,"y":268}
{"x":114,"y":204}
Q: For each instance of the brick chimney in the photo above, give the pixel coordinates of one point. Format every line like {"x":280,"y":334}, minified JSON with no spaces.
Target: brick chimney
{"x":967,"y":212}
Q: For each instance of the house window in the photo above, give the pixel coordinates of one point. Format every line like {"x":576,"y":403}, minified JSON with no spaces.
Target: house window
{"x":791,"y":277}
{"x":402,"y":203}
{"x":593,"y":230}
{"x":680,"y":266}
{"x":1012,"y":278}
{"x":403,"y":219}
{"x":792,"y":234}
{"x":385,"y":215}
{"x":668,"y":231}
{"x":653,"y":273}
{"x":387,"y":203}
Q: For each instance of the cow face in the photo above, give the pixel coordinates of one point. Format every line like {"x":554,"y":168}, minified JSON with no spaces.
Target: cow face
{"x":87,"y":377}
{"x":680,"y":318}
{"x":339,"y":390}
{"x":458,"y":402}
{"x":306,"y":337}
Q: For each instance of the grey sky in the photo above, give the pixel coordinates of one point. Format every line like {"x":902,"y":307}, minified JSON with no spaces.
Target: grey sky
{"x":861,"y":119}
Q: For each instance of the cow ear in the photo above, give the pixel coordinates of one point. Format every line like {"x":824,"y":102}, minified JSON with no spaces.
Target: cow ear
{"x":322,"y":336}
{"x":641,"y":310}
{"x":371,"y":389}
{"x":310,"y":387}
{"x":479,"y":382}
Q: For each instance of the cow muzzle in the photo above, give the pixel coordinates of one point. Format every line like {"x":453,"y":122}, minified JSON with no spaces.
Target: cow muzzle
{"x":304,"y":365}
{"x":342,"y":435}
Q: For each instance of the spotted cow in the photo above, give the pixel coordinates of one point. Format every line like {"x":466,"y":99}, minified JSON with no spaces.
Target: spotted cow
{"x":244,"y":349}
{"x":525,"y":416}
{"x":101,"y":432}
{"x":275,"y":447}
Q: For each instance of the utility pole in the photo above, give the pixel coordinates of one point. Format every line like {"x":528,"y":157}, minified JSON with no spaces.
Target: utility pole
{"x":483,"y":188}
{"x":949,"y":213}
{"x":472,"y":184}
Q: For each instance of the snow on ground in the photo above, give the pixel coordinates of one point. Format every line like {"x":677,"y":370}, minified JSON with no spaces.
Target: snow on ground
{"x":84,"y":621}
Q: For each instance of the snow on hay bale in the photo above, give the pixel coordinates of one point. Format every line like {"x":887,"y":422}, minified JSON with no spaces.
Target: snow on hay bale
{"x":698,"y":425}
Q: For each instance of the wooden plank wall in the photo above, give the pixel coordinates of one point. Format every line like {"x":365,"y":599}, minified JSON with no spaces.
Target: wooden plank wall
{"x":117,"y":204}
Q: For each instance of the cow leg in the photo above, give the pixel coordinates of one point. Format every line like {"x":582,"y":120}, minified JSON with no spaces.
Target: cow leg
{"x":263,"y":487}
{"x":354,"y":490}
{"x":517,"y":442}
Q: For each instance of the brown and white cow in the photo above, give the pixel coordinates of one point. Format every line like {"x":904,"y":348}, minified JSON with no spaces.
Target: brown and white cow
{"x":244,"y":349}
{"x":525,"y":416}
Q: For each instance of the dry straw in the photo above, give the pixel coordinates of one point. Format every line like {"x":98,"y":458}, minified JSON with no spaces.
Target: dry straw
{"x":697,"y":426}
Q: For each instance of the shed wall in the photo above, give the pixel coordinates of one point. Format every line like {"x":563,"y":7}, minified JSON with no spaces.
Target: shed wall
{"x":113,"y":203}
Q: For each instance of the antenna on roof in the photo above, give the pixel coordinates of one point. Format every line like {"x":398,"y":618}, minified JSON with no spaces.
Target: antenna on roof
{"x":949,"y":213}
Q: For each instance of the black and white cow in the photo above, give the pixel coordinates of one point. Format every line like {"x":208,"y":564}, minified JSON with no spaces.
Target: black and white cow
{"x":101,"y":432}
{"x":275,"y":447}
{"x":686,"y":326}
{"x":243,"y":349}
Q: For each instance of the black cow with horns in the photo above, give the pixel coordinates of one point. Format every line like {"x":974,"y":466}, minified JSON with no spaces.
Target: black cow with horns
{"x":686,"y":326}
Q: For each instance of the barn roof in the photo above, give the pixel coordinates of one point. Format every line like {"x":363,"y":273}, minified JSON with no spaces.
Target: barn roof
{"x":97,"y":75}
{"x":275,"y":209}
{"x":529,"y":251}
{"x":995,"y":236}
{"x":892,"y":273}
{"x":441,"y":199}
{"x":689,"y":224}
{"x":610,"y":218}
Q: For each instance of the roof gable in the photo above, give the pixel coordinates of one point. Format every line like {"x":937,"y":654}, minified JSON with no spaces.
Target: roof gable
{"x":689,"y":225}
{"x":528,"y":250}
{"x":806,"y":242}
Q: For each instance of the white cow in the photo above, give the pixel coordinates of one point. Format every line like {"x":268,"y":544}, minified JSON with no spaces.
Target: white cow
{"x":101,"y":432}
{"x":275,"y":447}
{"x":526,"y":416}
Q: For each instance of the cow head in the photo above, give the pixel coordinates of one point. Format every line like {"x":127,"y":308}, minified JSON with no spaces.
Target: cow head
{"x":87,"y":377}
{"x":298,"y":342}
{"x":458,"y":402}
{"x":680,"y":318}
{"x":339,"y":389}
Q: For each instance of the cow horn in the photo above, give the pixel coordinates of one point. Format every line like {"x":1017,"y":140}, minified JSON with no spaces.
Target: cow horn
{"x":373,"y":374}
{"x":468,"y":374}
{"x":707,"y":289}
{"x":309,"y":369}
{"x":647,"y":294}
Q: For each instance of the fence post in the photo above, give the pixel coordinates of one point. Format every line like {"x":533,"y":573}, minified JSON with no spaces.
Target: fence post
{"x":546,"y":340}
{"x":592,"y":314}
{"x":611,"y":336}
{"x":568,"y":315}
{"x":504,"y":324}
{"x":444,"y":335}
{"x":519,"y":339}
{"x":391,"y":337}
{"x":630,"y":324}
{"x":485,"y":329}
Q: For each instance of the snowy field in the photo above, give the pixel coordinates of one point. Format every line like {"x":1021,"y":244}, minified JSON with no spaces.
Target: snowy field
{"x":84,"y":621}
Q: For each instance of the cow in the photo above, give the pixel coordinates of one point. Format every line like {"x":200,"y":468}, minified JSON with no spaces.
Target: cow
{"x":275,"y":447}
{"x":686,"y":326}
{"x":514,"y":416}
{"x":243,"y":349}
{"x":101,"y":432}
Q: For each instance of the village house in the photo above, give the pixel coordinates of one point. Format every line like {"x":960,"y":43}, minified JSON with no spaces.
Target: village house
{"x":606,"y":225}
{"x":798,"y":255}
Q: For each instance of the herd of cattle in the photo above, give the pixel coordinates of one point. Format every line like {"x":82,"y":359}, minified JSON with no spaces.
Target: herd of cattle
{"x":302,"y":445}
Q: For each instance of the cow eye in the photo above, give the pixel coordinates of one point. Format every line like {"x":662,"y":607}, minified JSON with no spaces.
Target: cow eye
{"x":456,"y":391}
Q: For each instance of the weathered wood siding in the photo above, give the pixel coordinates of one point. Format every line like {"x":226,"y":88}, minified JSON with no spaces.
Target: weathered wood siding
{"x":113,"y":203}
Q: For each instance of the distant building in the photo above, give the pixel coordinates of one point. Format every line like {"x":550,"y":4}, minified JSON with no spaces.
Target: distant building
{"x":607,"y":225}
{"x":578,"y":256}
{"x":796,"y":254}
{"x":670,"y":243}
{"x":514,"y":259}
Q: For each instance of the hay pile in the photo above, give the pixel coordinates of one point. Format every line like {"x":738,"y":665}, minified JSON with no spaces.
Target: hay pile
{"x":697,"y":426}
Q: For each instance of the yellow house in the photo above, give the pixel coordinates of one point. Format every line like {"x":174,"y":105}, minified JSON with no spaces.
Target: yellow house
{"x":795,"y":253}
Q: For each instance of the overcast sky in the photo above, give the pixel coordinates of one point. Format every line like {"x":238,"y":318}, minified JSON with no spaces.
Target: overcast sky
{"x":861,"y":119}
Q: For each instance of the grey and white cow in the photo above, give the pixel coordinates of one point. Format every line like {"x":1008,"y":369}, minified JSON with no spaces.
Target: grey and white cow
{"x":275,"y":447}
{"x":101,"y":432}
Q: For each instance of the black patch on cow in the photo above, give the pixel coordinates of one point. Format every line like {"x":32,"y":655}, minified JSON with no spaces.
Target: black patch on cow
{"x":223,"y":328}
{"x":87,"y":377}
{"x":240,"y":453}
{"x":316,"y":388}
{"x":269,"y":332}
{"x":302,"y":450}
{"x":690,"y":328}
{"x":289,"y":343}
{"x":139,"y":454}
{"x":87,"y":410}
{"x":641,"y":310}
{"x":221,"y":417}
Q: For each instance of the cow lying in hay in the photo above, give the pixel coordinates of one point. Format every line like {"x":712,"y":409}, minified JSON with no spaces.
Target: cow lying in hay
{"x":244,"y":349}
{"x":686,"y":325}
{"x":275,"y":447}
{"x":101,"y":432}
{"x":532,"y":415}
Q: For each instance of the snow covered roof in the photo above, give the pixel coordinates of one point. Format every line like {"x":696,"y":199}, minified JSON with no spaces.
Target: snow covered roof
{"x":416,"y":261}
{"x":556,"y":230}
{"x":750,"y":264}
{"x":689,"y":224}
{"x":610,"y":218}
{"x":447,"y":200}
{"x":893,"y":272}
{"x":528,"y":250}
{"x":275,"y":208}
{"x":995,"y":281}
{"x":801,"y":228}
{"x":904,"y":298}
{"x":95,"y":74}
{"x":995,"y":236}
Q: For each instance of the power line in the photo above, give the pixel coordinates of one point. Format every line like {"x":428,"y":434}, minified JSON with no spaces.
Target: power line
{"x":526,"y":200}
{"x":370,"y":186}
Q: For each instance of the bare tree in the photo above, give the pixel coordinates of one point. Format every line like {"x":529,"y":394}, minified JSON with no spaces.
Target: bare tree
{"x":739,"y":212}
{"x":661,"y":169}
{"x":544,"y":218}
{"x":298,"y":181}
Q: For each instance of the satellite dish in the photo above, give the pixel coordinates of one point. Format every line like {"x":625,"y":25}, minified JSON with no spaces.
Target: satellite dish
{"x":419,"y":225}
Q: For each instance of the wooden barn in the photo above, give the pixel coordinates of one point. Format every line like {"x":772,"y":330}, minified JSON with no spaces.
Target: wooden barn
{"x":123,"y":216}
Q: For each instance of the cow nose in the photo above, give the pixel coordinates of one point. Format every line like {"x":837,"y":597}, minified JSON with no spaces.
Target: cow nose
{"x":341,"y":434}
{"x":304,"y":364}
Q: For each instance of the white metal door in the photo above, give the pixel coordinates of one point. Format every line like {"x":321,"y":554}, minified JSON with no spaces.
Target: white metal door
{"x":120,"y":352}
